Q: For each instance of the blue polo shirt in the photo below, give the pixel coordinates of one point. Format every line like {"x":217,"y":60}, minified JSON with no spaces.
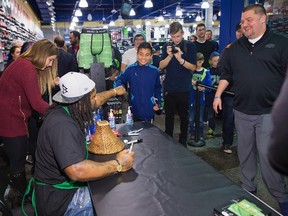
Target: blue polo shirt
{"x":178,"y":78}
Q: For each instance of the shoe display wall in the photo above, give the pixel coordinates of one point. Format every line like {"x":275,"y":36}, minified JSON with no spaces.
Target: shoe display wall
{"x":10,"y":30}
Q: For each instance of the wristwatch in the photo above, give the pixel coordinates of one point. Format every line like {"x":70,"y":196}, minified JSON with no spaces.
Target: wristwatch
{"x":119,"y":166}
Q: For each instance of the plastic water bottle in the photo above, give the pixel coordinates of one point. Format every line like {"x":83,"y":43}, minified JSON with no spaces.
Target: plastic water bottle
{"x":97,"y":117}
{"x":111,"y":120}
{"x":92,"y":127}
{"x":100,"y":113}
{"x":88,"y":135}
{"x":129,"y":117}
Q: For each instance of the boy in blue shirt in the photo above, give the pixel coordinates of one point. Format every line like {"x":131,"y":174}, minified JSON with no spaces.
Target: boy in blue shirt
{"x":144,"y":82}
{"x":200,"y":75}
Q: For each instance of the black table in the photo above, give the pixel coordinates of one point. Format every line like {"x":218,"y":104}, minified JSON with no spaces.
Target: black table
{"x":167,"y":180}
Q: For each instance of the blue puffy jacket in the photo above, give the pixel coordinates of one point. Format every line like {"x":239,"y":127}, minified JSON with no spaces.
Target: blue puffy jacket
{"x":144,"y":82}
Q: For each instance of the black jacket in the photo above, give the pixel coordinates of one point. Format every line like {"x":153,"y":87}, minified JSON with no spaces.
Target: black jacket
{"x":66,"y":63}
{"x":257,"y":72}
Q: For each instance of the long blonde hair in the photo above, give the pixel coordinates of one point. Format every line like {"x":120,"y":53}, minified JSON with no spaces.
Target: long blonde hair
{"x":38,"y":54}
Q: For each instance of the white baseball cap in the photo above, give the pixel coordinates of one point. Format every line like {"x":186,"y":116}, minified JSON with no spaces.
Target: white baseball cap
{"x":73,"y":86}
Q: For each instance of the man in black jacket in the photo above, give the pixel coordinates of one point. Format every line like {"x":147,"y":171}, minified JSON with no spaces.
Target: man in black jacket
{"x":256,"y":63}
{"x":66,"y":61}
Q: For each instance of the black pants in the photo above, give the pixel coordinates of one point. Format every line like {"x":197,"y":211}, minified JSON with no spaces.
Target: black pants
{"x":228,"y":120}
{"x":15,"y":148}
{"x":177,"y":102}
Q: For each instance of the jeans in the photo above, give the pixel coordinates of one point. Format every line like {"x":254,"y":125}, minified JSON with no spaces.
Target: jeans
{"x":192,"y":112}
{"x":177,"y":102}
{"x":228,"y":120}
{"x":81,"y":204}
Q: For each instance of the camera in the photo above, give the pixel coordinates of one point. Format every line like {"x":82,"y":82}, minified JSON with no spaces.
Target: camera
{"x":174,"y":50}
{"x":173,"y":47}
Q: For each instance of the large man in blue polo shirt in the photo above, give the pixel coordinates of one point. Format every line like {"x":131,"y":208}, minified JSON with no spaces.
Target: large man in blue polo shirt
{"x":179,"y":60}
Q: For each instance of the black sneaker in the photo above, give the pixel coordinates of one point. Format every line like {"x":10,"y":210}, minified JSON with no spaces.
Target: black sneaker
{"x":190,"y":140}
{"x":200,"y":143}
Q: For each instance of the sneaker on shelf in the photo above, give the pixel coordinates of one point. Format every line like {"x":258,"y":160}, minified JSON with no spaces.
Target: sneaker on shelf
{"x":210,"y":133}
{"x":227,"y":149}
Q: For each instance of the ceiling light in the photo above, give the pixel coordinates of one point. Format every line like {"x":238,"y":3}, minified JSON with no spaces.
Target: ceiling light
{"x":198,"y":18}
{"x":112,"y":23}
{"x":89,"y":17}
{"x":113,"y":11}
{"x":219,"y":13}
{"x":120,"y":18}
{"x":132,"y":12}
{"x":205,"y":5}
{"x":75,"y":19}
{"x":160,"y":18}
{"x":147,"y":23}
{"x":83,"y":4}
{"x":138,"y":26}
{"x":78,"y":12}
{"x":148,"y":4}
{"x":105,"y":27}
{"x":129,"y":29}
{"x":178,"y":11}
{"x":71,"y":28}
{"x":166,"y":26}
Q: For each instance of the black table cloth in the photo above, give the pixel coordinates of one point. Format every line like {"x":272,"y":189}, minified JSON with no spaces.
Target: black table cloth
{"x":166,"y":179}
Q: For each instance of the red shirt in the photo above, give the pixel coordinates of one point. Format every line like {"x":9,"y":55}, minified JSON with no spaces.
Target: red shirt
{"x":19,"y":94}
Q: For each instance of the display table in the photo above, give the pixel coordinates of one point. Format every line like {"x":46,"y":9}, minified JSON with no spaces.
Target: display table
{"x":166,"y":179}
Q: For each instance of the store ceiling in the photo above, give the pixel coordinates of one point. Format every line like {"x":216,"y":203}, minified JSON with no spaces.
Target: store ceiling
{"x":103,"y":8}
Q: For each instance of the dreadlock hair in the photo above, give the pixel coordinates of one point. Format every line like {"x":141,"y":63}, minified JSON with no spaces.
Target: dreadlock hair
{"x":80,"y":111}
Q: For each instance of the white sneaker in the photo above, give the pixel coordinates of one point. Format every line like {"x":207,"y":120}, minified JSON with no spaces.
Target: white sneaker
{"x":227,"y":149}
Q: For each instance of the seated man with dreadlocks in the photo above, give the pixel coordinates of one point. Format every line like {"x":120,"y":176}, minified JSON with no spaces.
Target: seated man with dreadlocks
{"x":62,"y":168}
